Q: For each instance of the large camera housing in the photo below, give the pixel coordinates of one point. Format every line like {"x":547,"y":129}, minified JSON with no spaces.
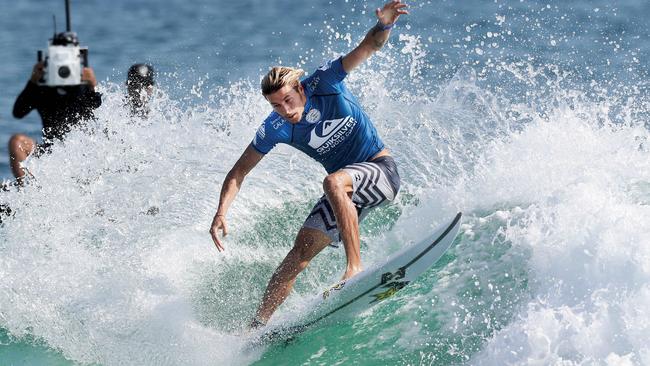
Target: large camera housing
{"x":64,"y":61}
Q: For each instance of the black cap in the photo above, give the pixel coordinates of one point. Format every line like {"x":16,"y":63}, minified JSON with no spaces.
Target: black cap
{"x":140,"y":74}
{"x":65,"y":38}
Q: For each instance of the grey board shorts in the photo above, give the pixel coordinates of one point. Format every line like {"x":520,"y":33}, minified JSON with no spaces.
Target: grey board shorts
{"x":374,"y":182}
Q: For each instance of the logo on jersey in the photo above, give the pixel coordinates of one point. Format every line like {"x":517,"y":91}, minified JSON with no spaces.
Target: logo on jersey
{"x":313,"y":83}
{"x":313,"y":116}
{"x":277,"y":123}
{"x":327,"y":135}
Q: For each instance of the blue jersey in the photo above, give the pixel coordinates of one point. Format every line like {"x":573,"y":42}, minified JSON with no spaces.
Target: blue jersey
{"x":333,"y":130}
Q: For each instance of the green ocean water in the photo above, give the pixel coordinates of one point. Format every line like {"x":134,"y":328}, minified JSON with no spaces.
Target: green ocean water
{"x":28,"y":352}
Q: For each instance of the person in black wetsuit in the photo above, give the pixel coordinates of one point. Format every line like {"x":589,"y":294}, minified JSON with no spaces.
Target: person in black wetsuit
{"x":140,"y":83}
{"x":60,"y":108}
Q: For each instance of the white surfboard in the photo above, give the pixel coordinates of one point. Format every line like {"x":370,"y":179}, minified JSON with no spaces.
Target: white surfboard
{"x":368,"y":288}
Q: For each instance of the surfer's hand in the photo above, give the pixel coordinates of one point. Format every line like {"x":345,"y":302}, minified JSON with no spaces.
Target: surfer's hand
{"x":219,"y":222}
{"x":390,"y":12}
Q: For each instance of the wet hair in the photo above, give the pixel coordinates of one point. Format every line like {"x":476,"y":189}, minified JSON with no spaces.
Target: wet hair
{"x":140,"y":75}
{"x":280,"y":76}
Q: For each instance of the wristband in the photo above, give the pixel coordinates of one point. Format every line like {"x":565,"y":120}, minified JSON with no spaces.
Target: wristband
{"x":387,"y":26}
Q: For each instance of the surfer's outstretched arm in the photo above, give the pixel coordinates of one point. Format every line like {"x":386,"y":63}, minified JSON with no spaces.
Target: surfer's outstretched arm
{"x":377,"y":36}
{"x":229,"y":190}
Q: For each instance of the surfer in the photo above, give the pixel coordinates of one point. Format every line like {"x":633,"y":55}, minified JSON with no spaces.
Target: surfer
{"x":319,"y":116}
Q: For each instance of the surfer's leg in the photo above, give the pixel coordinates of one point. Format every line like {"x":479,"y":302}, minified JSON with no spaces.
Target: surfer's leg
{"x":338,"y":188}
{"x":20,"y":147}
{"x":360,"y":187}
{"x":309,"y":242}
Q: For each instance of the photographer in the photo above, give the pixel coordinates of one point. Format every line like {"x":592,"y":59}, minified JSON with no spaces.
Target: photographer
{"x":60,"y":108}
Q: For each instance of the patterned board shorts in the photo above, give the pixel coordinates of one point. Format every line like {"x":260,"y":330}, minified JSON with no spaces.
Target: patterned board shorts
{"x":374,"y":182}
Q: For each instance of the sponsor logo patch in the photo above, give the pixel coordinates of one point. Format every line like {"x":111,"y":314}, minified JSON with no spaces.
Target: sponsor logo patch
{"x":328,"y":134}
{"x":313,"y":116}
{"x":390,"y":282}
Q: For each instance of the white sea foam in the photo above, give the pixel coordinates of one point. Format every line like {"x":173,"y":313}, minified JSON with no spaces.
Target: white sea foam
{"x":587,"y":237}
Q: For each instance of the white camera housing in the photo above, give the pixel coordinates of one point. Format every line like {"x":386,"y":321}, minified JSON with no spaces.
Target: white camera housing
{"x":63,"y":65}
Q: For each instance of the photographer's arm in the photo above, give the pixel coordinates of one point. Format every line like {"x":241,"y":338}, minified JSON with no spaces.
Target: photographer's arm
{"x":377,"y":36}
{"x":229,"y":190}
{"x":88,"y":75}
{"x":29,"y":97}
{"x":93,"y":99}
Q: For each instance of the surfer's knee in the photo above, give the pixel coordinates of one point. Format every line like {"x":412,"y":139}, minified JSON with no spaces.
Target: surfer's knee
{"x":335,"y":183}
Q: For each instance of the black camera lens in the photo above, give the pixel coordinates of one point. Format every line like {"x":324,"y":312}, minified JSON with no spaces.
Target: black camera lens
{"x":64,"y":71}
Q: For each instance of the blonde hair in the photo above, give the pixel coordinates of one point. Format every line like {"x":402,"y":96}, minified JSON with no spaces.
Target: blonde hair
{"x":278,"y":77}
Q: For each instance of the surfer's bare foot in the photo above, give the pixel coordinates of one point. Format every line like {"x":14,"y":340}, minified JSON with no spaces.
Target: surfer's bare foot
{"x":351,"y":272}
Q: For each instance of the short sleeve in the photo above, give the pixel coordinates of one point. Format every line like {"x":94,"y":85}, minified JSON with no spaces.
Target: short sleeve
{"x":332,"y":72}
{"x":267,"y":135}
{"x":326,"y":79}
